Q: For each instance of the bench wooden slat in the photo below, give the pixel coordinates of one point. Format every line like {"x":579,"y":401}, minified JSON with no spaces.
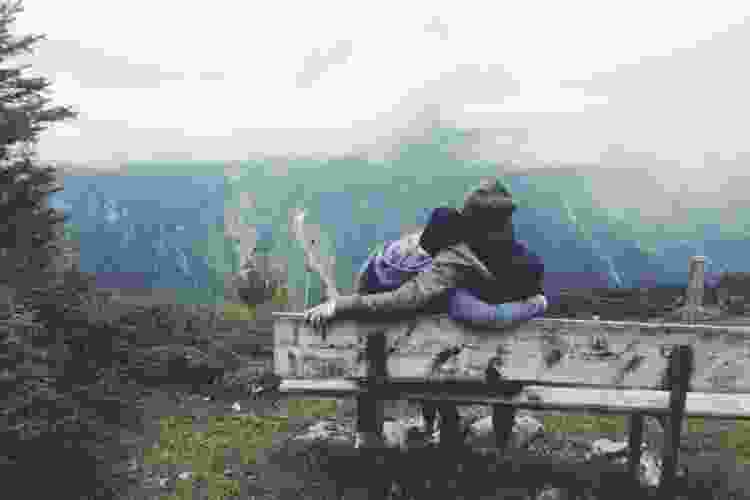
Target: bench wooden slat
{"x":635,"y":360}
{"x":709,"y":405}
{"x":623,"y":401}
{"x":657,"y":326}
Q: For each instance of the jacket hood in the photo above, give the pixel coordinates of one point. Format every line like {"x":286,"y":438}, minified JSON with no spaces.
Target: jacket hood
{"x":400,"y":260}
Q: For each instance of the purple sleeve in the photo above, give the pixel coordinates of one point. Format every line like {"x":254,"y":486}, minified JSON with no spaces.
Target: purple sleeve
{"x":463,"y":306}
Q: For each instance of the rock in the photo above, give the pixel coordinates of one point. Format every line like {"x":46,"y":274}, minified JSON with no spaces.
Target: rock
{"x":132,"y":465}
{"x":236,"y":406}
{"x":396,"y":433}
{"x":650,"y":466}
{"x":481,"y":427}
{"x":525,"y":429}
{"x":184,"y":475}
{"x":649,"y":470}
{"x":325,"y":430}
{"x":245,"y":377}
{"x":550,"y":493}
{"x":608,"y":448}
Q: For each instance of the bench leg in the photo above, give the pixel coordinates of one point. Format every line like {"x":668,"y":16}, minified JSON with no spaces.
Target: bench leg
{"x":680,"y":369}
{"x":634,"y":444}
{"x":370,"y":416}
{"x":503,"y":418}
{"x":450,"y":436}
{"x":670,"y":457}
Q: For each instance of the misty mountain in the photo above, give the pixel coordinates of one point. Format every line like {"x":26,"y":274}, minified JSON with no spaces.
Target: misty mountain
{"x":154,"y":228}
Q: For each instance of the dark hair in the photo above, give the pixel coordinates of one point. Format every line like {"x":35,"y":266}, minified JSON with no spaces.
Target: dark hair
{"x":491,"y":199}
{"x":445,"y":228}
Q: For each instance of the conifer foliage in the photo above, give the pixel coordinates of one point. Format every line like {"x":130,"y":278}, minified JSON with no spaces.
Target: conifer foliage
{"x":29,"y":229}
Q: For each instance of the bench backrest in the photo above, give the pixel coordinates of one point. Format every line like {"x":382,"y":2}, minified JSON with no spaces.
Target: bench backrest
{"x":549,"y":350}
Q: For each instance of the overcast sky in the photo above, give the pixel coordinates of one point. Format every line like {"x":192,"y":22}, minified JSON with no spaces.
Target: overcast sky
{"x":539,"y":82}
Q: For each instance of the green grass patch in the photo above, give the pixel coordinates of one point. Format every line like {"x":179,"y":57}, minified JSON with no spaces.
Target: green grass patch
{"x":570,"y":423}
{"x":238,"y":312}
{"x":280,"y":296}
{"x":316,"y":408}
{"x":737,"y":439}
{"x":205,"y":452}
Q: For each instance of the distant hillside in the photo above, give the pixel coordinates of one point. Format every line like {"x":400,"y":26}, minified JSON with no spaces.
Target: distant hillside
{"x":163,"y":225}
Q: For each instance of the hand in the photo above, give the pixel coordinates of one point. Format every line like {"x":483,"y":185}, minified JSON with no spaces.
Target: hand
{"x":540,"y":300}
{"x":320,"y":315}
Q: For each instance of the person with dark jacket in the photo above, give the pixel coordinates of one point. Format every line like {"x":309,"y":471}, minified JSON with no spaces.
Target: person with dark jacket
{"x":475,"y":261}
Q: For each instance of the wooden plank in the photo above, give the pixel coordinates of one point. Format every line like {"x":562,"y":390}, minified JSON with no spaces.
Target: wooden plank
{"x":619,"y":401}
{"x":534,"y":397}
{"x":721,"y":352}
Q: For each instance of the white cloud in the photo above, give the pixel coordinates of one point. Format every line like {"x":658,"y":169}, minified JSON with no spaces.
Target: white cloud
{"x":489,"y":65}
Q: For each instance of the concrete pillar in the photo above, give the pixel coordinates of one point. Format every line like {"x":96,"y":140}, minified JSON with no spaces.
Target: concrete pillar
{"x":694,"y":295}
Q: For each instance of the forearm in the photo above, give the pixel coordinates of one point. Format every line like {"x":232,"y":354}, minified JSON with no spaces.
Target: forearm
{"x":412,"y":296}
{"x":463,"y":306}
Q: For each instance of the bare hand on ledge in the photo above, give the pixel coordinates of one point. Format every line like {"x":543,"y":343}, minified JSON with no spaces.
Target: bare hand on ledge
{"x":320,"y":315}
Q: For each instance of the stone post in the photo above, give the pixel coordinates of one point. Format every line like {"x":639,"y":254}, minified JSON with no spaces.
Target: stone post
{"x":694,"y":294}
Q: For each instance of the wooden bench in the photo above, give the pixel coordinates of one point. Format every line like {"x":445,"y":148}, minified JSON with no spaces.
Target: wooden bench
{"x":664,"y":370}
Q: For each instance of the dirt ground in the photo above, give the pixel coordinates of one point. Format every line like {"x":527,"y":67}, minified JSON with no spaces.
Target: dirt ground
{"x":280,"y":474}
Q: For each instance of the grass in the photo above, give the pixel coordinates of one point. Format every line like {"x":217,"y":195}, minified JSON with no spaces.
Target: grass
{"x":238,"y":312}
{"x":738,"y":439}
{"x":572,"y":423}
{"x":204,"y":452}
{"x":316,"y":408}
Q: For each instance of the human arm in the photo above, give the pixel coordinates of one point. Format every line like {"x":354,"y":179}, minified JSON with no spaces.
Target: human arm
{"x":465,"y":307}
{"x":413,"y":295}
{"x":445,"y":273}
{"x":525,"y":303}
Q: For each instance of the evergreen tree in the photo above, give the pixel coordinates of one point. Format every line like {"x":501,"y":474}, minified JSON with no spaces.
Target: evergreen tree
{"x":29,"y":229}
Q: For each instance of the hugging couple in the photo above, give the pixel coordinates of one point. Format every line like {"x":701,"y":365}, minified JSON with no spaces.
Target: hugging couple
{"x":466,"y":262}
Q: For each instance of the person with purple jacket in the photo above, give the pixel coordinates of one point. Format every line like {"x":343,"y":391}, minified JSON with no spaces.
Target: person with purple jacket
{"x":466,"y":261}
